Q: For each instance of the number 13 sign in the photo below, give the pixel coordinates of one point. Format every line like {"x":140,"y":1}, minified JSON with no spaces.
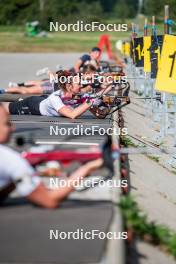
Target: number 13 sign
{"x":166,"y":76}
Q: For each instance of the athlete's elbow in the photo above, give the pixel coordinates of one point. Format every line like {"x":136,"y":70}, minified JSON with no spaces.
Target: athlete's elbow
{"x":70,"y":115}
{"x":23,"y":92}
{"x":51,"y":204}
{"x":73,"y":116}
{"x":44,"y":201}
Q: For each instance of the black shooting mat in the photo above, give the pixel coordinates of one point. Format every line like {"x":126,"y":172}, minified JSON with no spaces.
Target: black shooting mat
{"x":87,"y":117}
{"x":25,"y":232}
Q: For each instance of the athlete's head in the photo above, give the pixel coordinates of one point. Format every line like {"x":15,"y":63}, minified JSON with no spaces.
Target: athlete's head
{"x":68,"y":83}
{"x":88,"y":69}
{"x":5,"y":125}
{"x":95,"y":53}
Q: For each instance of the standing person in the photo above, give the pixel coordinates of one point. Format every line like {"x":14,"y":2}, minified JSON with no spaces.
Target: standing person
{"x":104,"y":41}
{"x":20,"y":176}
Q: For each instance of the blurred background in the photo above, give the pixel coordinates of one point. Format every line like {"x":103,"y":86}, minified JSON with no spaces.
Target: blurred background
{"x":17,"y":34}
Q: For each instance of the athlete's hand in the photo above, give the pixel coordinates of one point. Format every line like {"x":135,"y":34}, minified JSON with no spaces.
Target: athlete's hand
{"x":96,"y":101}
{"x":86,"y":95}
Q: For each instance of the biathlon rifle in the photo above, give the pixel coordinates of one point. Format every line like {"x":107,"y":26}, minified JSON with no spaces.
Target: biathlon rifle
{"x":108,"y":104}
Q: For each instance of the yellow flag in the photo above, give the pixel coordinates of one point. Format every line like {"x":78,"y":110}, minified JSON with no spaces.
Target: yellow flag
{"x":147,"y":44}
{"x":127,"y":49}
{"x":123,"y":48}
{"x":166,"y":75}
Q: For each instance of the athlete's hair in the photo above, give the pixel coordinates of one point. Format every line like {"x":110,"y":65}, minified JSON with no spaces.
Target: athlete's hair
{"x":88,"y":68}
{"x":63,"y":80}
{"x":96,"y":49}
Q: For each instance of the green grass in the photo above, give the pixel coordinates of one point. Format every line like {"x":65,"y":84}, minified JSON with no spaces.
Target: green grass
{"x":136,"y":222}
{"x":11,"y":28}
{"x":154,"y":158}
{"x":127,"y":142}
{"x":14,"y":40}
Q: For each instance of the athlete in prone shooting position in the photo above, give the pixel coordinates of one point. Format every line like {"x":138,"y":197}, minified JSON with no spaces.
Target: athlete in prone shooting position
{"x":20,"y":176}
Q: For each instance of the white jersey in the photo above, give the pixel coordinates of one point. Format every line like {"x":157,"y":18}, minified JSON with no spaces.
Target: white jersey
{"x":51,"y":105}
{"x":13,"y":168}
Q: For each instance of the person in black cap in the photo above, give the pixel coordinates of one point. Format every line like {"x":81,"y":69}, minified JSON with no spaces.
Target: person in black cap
{"x":91,"y":58}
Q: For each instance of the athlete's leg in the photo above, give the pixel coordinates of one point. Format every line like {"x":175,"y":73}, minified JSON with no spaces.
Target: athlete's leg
{"x":25,"y":90}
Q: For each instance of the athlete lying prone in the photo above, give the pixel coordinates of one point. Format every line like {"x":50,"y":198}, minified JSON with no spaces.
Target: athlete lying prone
{"x":53,"y":105}
{"x":20,"y":176}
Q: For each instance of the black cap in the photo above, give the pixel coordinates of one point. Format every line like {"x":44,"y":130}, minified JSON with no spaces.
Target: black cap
{"x":96,"y":49}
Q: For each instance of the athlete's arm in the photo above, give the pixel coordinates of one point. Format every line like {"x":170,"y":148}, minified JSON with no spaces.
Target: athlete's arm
{"x":104,"y":90}
{"x":26,"y":90}
{"x":78,"y":65}
{"x":52,"y":198}
{"x":74,"y":112}
{"x":86,"y":89}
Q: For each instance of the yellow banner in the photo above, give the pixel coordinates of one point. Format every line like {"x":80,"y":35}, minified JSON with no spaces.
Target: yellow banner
{"x":123,"y":48}
{"x":147,"y":44}
{"x":166,"y":75}
{"x":127,"y":49}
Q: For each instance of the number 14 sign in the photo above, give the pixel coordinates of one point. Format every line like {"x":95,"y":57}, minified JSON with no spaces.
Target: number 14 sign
{"x":166,"y":75}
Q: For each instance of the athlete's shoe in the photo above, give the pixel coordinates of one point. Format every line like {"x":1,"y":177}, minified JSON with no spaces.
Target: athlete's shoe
{"x":42,"y":71}
{"x":12,"y":84}
{"x":2,"y":91}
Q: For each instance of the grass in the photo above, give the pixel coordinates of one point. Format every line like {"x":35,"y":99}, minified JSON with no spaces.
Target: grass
{"x":137,"y":223}
{"x":14,"y":40}
{"x":154,"y":158}
{"x":127,"y":142}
